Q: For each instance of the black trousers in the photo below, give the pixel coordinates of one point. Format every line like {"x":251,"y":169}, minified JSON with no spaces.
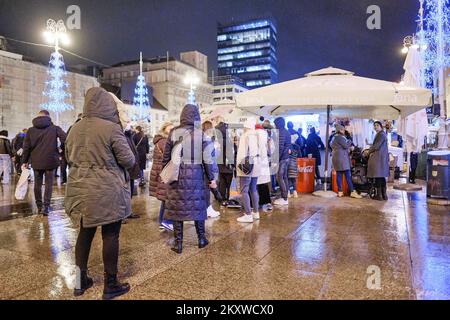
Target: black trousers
{"x":264,"y":194}
{"x":414,"y":160}
{"x":380,"y":182}
{"x":38,"y":181}
{"x":18,"y":164}
{"x":63,"y":168}
{"x":225,"y":180}
{"x":317,"y":172}
{"x":110,"y":236}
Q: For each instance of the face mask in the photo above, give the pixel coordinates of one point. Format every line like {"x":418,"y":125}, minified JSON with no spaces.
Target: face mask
{"x":128,"y":127}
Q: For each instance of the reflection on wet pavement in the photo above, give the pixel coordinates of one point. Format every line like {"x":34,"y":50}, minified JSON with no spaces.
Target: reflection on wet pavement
{"x":316,"y":249}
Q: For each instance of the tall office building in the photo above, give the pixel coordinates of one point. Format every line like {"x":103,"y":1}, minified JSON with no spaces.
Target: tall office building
{"x":248,"y":50}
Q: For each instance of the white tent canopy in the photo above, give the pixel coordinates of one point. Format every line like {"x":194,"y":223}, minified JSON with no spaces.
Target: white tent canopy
{"x":339,"y":91}
{"x":349,"y":96}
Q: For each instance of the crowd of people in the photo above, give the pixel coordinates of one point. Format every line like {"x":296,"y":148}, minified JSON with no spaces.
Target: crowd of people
{"x":105,"y":155}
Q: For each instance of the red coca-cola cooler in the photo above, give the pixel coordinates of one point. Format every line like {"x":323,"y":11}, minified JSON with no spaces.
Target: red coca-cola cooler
{"x":305,"y":180}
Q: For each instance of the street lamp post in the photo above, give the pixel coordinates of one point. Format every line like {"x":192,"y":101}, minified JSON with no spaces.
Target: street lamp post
{"x":56,"y":32}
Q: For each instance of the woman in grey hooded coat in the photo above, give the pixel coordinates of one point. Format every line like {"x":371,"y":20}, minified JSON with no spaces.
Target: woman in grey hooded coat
{"x":341,"y":147}
{"x":98,"y":186}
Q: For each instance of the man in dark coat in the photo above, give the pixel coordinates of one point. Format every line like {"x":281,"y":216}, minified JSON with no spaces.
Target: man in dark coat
{"x":186,"y":198}
{"x":301,"y":141}
{"x":40,"y":149}
{"x":284,"y":148}
{"x":143,"y":148}
{"x":313,"y":145}
{"x":225,"y":160}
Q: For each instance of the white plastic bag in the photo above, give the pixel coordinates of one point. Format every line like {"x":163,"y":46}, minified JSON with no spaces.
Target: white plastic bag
{"x":22,"y":185}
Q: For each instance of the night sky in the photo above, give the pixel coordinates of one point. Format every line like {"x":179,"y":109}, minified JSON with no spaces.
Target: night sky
{"x":312,"y":34}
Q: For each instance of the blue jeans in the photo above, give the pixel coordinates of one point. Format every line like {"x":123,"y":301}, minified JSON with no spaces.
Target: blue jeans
{"x":161,"y":213}
{"x":282,"y":178}
{"x":348,"y":178}
{"x":248,"y":187}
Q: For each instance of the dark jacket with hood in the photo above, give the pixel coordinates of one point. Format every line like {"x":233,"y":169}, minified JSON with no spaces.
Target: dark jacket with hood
{"x":135,"y":171}
{"x":186,"y":198}
{"x":98,"y":154}
{"x":284,"y":139}
{"x":143,"y":148}
{"x":40,"y":147}
{"x":226,"y":154}
{"x":313,"y":145}
{"x":156,"y":187}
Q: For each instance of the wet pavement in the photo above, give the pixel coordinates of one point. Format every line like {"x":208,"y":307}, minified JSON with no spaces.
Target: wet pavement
{"x":314,"y":249}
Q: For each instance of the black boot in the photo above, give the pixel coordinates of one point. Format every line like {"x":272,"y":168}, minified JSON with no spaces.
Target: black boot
{"x":383,"y":193}
{"x":113,"y":288}
{"x":200,"y":227}
{"x":45,"y":211}
{"x":379,"y":195}
{"x":85,"y":283}
{"x":178,"y":234}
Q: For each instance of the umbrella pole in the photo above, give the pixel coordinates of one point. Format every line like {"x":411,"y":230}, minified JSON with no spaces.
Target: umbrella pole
{"x":326,"y":147}
{"x":325,"y":193}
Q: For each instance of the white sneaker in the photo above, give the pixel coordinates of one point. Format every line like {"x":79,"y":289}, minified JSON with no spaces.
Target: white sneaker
{"x":246,"y":218}
{"x":340,"y":194}
{"x":355,"y":195}
{"x":295,"y":194}
{"x":212,"y":213}
{"x":289,"y":195}
{"x":269,"y":207}
{"x":281,"y":202}
{"x":255,"y":215}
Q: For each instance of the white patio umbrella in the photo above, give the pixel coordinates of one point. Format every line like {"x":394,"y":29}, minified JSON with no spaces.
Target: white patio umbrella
{"x":414,"y":127}
{"x":336,"y":90}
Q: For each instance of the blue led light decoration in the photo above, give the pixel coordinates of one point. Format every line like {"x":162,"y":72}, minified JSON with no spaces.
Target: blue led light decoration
{"x":434,"y":36}
{"x":56,"y":85}
{"x":141,"y":100}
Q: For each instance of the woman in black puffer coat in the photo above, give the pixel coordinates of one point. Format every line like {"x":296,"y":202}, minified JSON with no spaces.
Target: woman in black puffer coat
{"x":186,"y":198}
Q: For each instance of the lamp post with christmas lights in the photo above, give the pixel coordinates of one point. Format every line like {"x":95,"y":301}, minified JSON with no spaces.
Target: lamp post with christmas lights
{"x":56,"y":85}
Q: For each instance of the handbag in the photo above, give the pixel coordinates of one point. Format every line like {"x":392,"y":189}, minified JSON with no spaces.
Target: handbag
{"x":171,"y":171}
{"x":22,"y":185}
{"x":246,"y":166}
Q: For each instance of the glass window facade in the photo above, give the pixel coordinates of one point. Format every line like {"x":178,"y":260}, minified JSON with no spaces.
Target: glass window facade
{"x":248,"y":50}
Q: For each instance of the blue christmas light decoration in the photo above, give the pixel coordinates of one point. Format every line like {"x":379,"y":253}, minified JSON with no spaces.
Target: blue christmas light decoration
{"x":434,"y":38}
{"x":56,"y":86}
{"x":141,"y":100}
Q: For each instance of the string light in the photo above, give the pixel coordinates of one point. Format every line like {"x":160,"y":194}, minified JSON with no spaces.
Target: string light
{"x":141,"y":99}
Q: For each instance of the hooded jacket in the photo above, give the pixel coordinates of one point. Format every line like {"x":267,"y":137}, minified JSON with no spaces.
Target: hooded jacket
{"x":40,"y":147}
{"x":186,"y":198}
{"x":284,"y":139}
{"x":98,"y":154}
